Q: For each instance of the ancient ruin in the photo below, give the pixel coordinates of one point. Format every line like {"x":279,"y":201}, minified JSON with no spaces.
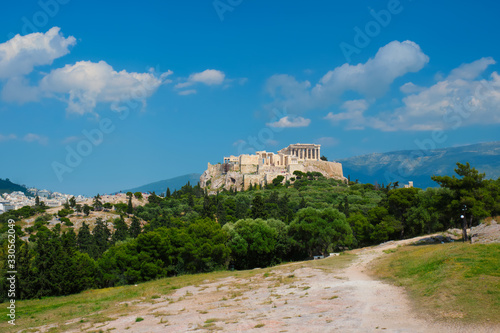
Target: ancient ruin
{"x":239,"y":172}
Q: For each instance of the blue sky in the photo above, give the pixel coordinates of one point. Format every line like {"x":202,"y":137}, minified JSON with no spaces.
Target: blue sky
{"x":102,"y":96}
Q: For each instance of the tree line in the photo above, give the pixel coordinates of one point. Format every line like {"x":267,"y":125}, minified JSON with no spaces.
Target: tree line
{"x":190,"y":231}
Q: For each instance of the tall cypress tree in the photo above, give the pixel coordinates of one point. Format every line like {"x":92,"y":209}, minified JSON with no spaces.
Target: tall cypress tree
{"x":85,"y":241}
{"x":135,"y":227}
{"x":130,"y":207}
{"x":258,"y":209}
{"x":121,"y":231}
{"x":101,"y":235}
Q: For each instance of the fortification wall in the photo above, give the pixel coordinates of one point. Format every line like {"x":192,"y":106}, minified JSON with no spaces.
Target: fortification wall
{"x":249,"y":159}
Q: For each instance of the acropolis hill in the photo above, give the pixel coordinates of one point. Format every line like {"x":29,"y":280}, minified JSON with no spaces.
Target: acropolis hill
{"x":239,"y":172}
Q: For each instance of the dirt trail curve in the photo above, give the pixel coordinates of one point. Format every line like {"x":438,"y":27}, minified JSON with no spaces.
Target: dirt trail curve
{"x":291,"y":298}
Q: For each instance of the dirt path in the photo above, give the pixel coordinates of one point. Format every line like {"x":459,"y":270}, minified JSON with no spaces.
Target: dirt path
{"x":291,"y":298}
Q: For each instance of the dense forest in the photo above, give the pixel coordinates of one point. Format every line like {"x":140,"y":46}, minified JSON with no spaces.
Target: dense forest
{"x":189,"y":231}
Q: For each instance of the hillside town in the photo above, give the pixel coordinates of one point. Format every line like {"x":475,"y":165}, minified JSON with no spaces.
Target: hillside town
{"x":18,"y":199}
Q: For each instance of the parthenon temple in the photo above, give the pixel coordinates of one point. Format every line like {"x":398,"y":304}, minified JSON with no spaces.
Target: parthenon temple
{"x":262,"y":167}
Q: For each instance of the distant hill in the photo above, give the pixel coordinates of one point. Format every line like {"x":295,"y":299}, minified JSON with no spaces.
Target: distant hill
{"x":6,"y":186}
{"x":172,"y":183}
{"x":419,"y":165}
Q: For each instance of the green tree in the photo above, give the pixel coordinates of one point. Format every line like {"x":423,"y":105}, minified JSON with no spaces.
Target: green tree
{"x":97,"y":203}
{"x":72,"y":202}
{"x":168,"y":195}
{"x":138,"y":195}
{"x":135,"y":227}
{"x":252,"y":243}
{"x":467,"y":195}
{"x":400,"y":201}
{"x":258,"y":209}
{"x":101,"y":236}
{"x":316,"y":231}
{"x":278,"y":180}
{"x":78,"y":208}
{"x":85,"y":242}
{"x":121,"y":230}
{"x":86,"y":209}
{"x":130,"y":207}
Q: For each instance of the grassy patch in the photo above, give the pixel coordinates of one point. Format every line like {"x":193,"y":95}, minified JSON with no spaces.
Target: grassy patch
{"x":448,"y":281}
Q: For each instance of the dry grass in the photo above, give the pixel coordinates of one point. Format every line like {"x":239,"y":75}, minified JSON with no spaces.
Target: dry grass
{"x":91,"y":308}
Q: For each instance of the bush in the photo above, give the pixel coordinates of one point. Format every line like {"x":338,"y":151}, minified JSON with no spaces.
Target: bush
{"x":65,"y":212}
{"x":66,"y":221}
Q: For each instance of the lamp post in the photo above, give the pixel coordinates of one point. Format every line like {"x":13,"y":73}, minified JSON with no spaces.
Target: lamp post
{"x":464,"y":224}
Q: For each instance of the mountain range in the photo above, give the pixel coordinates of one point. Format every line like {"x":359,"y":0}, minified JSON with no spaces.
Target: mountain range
{"x":419,"y":165}
{"x":382,"y":168}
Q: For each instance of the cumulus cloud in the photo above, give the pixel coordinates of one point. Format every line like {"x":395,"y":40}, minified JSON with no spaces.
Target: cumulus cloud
{"x":410,"y":88}
{"x":458,"y":100}
{"x":353,"y":114}
{"x":289,"y":121}
{"x":86,"y":83}
{"x":209,"y":77}
{"x":21,"y":54}
{"x":371,"y":79}
{"x":81,"y":85}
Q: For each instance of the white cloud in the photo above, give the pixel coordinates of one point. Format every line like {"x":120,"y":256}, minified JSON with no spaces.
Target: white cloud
{"x":371,"y":79}
{"x":289,"y":121}
{"x":209,"y":77}
{"x":82,"y":85}
{"x":472,"y":70}
{"x":7,"y":137}
{"x":187,"y":92}
{"x":31,"y":137}
{"x":86,"y":83}
{"x":21,"y":54}
{"x":457,"y":100}
{"x":327,"y":141}
{"x":353,"y":115}
{"x":410,"y":88}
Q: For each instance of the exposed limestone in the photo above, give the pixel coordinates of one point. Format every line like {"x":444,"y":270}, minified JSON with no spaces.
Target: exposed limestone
{"x":239,"y":172}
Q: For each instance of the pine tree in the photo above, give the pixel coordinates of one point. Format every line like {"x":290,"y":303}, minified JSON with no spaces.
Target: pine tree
{"x":85,"y":241}
{"x":97,"y":202}
{"x":130,"y":207}
{"x":168,"y":195}
{"x":190,"y":200}
{"x":101,"y":235}
{"x":346,"y":206}
{"x":303,"y":203}
{"x":135,"y":227}
{"x":121,"y":231}
{"x":258,"y":209}
{"x":221,"y":213}
{"x":86,"y":210}
{"x":72,"y":202}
